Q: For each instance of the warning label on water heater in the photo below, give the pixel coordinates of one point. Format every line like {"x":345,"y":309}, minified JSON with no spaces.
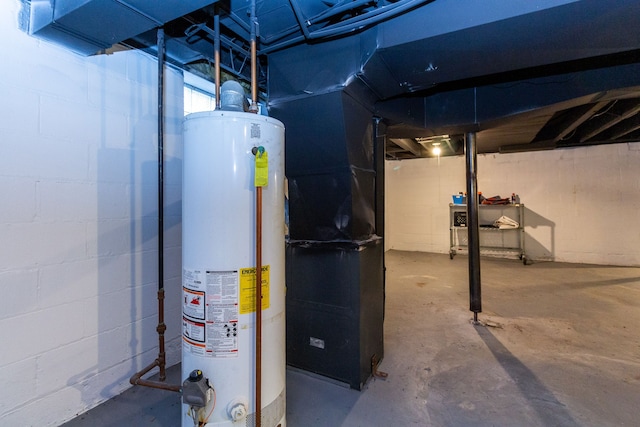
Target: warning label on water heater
{"x":193,"y":303}
{"x":210,"y":312}
{"x":248,"y":289}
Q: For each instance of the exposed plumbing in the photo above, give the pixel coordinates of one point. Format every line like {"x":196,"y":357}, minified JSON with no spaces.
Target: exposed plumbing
{"x":160,"y":362}
{"x":216,"y":53}
{"x":347,"y":26}
{"x":254,"y":58}
{"x":256,"y":151}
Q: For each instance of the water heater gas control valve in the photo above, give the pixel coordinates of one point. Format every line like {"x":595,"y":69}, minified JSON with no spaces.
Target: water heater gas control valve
{"x":195,"y":389}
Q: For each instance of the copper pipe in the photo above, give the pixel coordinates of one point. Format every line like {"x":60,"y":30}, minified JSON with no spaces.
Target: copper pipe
{"x":254,"y":78}
{"x":254,"y":60}
{"x":254,"y":109}
{"x":258,"y":306}
{"x":216,"y":54}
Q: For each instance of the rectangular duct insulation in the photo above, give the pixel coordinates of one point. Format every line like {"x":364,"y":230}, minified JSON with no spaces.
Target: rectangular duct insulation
{"x":332,"y":205}
{"x":330,"y":166}
{"x":335,"y":309}
{"x":88,"y":26}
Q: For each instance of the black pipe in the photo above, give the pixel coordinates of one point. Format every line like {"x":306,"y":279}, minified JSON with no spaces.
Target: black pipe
{"x":161,"y":53}
{"x":161,"y":326}
{"x":349,"y":25}
{"x":192,"y":33}
{"x":337,"y":10}
{"x":473,"y":231}
{"x":301,"y":22}
{"x":160,"y":362}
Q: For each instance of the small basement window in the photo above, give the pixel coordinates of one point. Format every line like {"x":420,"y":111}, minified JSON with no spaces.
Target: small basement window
{"x":199,"y":94}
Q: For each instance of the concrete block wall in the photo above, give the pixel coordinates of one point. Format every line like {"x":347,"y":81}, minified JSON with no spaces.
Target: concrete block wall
{"x":581,"y":204}
{"x":78,"y":224}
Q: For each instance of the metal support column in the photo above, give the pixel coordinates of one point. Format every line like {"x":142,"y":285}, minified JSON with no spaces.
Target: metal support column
{"x":475,"y":299}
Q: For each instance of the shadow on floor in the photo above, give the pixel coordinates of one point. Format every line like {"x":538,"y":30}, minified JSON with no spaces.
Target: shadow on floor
{"x":559,"y":358}
{"x":540,"y":398}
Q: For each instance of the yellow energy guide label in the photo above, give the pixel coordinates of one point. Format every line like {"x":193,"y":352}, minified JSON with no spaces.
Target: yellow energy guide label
{"x":248,"y":289}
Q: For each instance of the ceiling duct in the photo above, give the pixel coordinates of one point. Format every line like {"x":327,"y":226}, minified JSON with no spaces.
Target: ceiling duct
{"x":89,"y":26}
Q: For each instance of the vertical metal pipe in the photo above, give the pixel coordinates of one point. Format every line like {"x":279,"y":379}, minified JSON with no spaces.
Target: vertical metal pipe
{"x":160,"y":362}
{"x":254,"y":60}
{"x":254,"y":109}
{"x":216,"y":54}
{"x":160,"y":329}
{"x":161,"y":326}
{"x":254,"y":78}
{"x":258,"y":422}
{"x":160,"y":158}
{"x":475,"y":300}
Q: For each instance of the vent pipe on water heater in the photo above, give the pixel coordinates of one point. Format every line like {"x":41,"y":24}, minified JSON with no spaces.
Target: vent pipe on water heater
{"x":232,"y":97}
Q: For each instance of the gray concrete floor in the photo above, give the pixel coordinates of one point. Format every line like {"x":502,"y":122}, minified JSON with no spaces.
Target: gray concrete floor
{"x":558,"y":346}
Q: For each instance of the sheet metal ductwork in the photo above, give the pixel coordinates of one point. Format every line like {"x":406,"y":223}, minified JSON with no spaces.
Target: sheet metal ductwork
{"x":88,"y":26}
{"x":424,"y":50}
{"x":439,"y":69}
{"x":330,"y":167}
{"x":335,"y":255}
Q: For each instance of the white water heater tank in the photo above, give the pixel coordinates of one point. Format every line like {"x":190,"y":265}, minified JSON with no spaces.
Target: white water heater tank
{"x":219,"y":260}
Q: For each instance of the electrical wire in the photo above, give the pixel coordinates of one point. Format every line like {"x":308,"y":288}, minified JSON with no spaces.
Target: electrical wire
{"x":605,"y":111}
{"x":194,"y":414}
{"x":206,"y":420}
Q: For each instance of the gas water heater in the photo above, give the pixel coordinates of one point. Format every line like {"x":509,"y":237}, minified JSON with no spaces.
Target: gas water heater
{"x":219,"y":270}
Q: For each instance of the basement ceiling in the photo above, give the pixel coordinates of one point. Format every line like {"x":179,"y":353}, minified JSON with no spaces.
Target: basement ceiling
{"x":524,"y":74}
{"x":593,"y":105}
{"x":590,"y":123}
